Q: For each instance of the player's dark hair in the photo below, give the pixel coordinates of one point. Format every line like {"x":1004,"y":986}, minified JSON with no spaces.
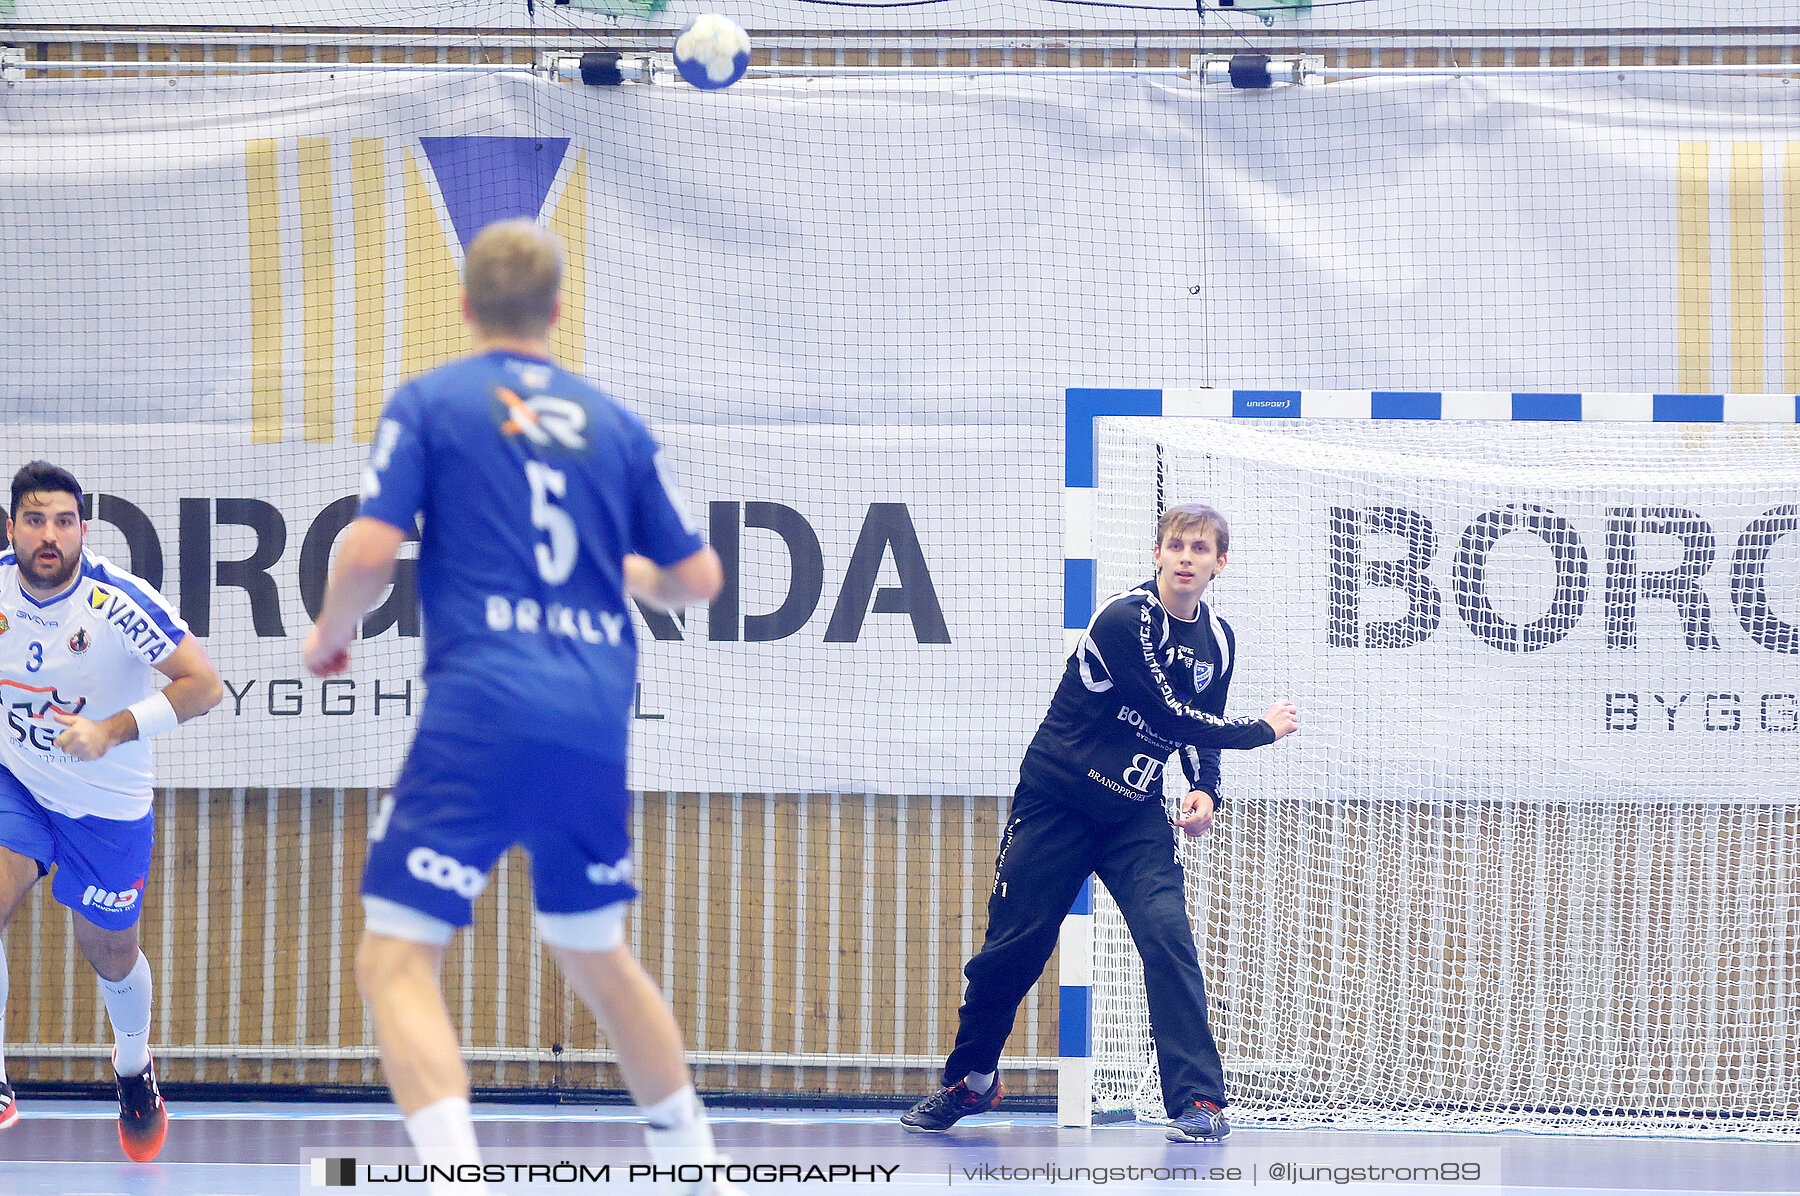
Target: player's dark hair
{"x":512,"y":276}
{"x":1189,"y":514}
{"x":41,"y":476}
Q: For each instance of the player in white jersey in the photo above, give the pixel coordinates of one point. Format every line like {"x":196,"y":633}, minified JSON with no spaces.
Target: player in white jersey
{"x":80,"y":644}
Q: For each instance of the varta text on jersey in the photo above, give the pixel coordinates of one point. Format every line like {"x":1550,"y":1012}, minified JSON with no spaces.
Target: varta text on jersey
{"x":152,"y":644}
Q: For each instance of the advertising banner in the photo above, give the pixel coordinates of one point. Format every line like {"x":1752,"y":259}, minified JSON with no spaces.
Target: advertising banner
{"x":852,"y":308}
{"x":888,"y":622}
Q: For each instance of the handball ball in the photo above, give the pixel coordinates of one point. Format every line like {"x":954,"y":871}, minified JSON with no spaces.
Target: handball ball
{"x":712,"y":52}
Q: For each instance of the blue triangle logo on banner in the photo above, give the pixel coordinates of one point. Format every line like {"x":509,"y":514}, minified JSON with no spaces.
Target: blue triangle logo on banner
{"x":484,"y":179}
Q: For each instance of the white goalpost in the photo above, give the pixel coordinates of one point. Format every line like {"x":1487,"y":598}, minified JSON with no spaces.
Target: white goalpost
{"x":1534,"y":859}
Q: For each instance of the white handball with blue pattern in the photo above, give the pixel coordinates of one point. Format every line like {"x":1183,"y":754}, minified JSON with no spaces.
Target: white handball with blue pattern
{"x":712,"y":51}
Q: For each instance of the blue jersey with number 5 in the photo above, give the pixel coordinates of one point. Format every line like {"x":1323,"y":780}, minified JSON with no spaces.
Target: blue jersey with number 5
{"x":533,"y":485}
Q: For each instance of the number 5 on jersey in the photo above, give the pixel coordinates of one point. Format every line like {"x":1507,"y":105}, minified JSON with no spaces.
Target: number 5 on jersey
{"x":556,"y":559}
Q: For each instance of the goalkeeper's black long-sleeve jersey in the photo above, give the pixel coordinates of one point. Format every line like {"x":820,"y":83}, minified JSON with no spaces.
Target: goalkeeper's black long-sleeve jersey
{"x":1141,"y":686}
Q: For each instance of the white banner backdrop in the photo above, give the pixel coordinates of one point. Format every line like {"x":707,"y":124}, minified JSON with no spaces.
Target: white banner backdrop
{"x":225,"y":276}
{"x":945,"y":251}
{"x":889,"y":623}
{"x":1497,"y":610}
{"x":913,"y":651}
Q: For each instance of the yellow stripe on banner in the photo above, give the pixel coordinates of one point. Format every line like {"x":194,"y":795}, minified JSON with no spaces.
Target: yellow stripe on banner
{"x":368,"y":190}
{"x":1748,"y":333}
{"x":568,"y":339}
{"x":262,"y":184}
{"x":1693,"y":271}
{"x":319,"y":284}
{"x":1790,"y":244}
{"x":431,"y":326}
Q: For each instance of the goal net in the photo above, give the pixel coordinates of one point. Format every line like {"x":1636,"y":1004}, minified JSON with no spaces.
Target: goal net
{"x":1530,"y":861}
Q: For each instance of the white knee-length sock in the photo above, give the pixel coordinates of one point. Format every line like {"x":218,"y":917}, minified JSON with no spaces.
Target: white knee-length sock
{"x":128,"y":1007}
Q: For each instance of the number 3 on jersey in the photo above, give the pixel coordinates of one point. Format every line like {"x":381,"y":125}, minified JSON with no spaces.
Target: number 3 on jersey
{"x":556,"y":559}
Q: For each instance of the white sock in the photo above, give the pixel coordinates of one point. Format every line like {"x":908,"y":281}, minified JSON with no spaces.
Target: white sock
{"x":128,"y":1005}
{"x":675,"y":1111}
{"x":979,"y":1082}
{"x":679,"y":1133}
{"x":444,"y":1134}
{"x":3,"y":986}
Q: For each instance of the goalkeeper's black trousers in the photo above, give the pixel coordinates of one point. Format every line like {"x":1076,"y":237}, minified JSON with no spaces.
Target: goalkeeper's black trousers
{"x":1047,"y":850}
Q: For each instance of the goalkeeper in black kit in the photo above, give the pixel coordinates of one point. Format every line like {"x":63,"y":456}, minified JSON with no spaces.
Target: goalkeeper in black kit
{"x":1147,"y":681}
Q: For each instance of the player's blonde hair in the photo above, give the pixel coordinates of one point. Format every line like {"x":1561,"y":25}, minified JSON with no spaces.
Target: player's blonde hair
{"x":512,"y":276}
{"x":1192,"y":514}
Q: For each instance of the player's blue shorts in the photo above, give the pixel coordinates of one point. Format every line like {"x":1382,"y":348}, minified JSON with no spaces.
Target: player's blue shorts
{"x":459,"y":804}
{"x":101,"y":863}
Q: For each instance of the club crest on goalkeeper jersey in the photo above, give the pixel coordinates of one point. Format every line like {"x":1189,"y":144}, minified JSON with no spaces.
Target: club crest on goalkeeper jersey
{"x":531,"y":487}
{"x":1141,"y":686}
{"x":90,"y":651}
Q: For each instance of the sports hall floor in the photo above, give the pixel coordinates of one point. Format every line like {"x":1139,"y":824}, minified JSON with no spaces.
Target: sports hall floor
{"x":69,"y":1148}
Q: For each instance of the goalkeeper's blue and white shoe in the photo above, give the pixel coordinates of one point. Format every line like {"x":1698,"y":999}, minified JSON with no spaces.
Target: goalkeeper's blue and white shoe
{"x":947,"y":1106}
{"x":1202,"y":1121}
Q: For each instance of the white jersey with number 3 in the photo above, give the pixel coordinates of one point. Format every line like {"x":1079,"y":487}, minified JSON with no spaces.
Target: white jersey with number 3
{"x":90,"y":651}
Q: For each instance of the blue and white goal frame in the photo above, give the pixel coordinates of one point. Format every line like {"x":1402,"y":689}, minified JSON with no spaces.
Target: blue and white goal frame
{"x":1082,"y":406}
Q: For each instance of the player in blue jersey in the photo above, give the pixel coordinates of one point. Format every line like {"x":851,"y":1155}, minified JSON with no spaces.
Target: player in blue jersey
{"x":1147,"y":681}
{"x":81,"y":643}
{"x":544,"y":505}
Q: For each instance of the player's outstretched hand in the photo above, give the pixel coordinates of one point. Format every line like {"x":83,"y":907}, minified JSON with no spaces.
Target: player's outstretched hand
{"x":1283,"y":717}
{"x":322,"y":659}
{"x":1196,"y":813}
{"x":84,"y":739}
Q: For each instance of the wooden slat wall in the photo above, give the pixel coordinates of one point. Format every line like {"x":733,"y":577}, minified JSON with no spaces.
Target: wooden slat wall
{"x":781,"y":926}
{"x":812,"y":944}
